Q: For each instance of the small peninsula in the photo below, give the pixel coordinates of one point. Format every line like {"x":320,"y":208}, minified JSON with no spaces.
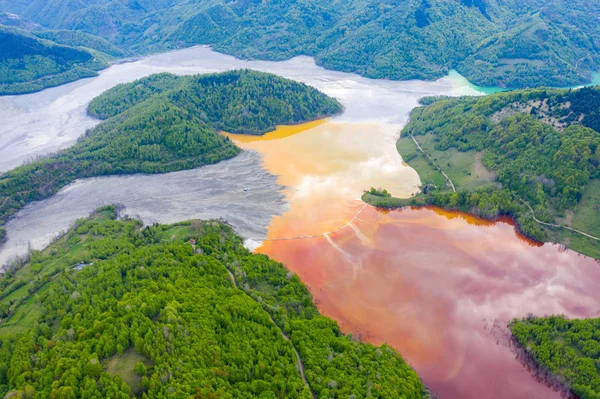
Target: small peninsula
{"x":568,"y":350}
{"x":533,"y":155}
{"x":166,"y":123}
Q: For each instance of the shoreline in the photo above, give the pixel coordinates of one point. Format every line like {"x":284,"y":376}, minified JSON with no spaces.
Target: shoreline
{"x":416,"y":202}
{"x":594,"y":79}
{"x":541,"y":374}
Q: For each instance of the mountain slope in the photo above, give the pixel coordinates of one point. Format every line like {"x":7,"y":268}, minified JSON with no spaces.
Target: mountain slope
{"x":29,"y":63}
{"x":145,"y":312}
{"x":511,"y":43}
{"x":99,"y":46}
{"x":512,"y":153}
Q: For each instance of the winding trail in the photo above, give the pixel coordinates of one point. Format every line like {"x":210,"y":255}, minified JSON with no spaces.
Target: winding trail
{"x":434,"y":164}
{"x":557,"y":225}
{"x":528,"y":206}
{"x":299,"y":363}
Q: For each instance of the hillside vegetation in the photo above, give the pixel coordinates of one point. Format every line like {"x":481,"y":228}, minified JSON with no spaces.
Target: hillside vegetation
{"x":145,"y":312}
{"x":537,"y":147}
{"x":29,"y":63}
{"x":506,"y":43}
{"x":165,"y":123}
{"x":567,"y":349}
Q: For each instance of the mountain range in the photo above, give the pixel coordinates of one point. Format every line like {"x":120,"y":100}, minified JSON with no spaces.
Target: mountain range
{"x":506,"y":43}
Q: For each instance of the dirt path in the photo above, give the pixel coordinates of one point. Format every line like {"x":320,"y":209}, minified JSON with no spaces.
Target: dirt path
{"x":299,"y":364}
{"x":557,"y":225}
{"x":434,"y":164}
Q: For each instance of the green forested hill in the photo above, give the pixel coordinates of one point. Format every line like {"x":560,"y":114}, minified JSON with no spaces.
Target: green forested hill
{"x":101,"y":47}
{"x":166,"y":123}
{"x":568,"y":349}
{"x":29,"y":63}
{"x":509,"y":43}
{"x":13,"y":20}
{"x":145,"y":312}
{"x":503,"y":151}
{"x":240,"y":101}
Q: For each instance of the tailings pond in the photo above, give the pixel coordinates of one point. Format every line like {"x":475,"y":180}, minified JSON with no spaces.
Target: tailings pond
{"x":440,"y":287}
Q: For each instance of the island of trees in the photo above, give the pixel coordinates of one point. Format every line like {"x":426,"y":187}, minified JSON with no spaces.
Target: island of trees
{"x":115,"y":309}
{"x":165,"y":123}
{"x":533,"y":155}
{"x":493,"y":43}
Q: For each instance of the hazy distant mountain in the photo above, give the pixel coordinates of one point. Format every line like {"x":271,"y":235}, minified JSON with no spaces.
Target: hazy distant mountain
{"x":511,"y":43}
{"x":33,"y":61}
{"x":10,"y":19}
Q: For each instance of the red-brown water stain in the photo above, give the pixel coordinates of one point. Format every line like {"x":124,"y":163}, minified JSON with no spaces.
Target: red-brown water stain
{"x":427,"y":282}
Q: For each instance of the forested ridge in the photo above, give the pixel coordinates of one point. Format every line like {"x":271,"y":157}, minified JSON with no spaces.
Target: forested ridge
{"x":165,"y":123}
{"x":567,"y":349}
{"x":33,"y":61}
{"x":240,"y":101}
{"x":116,"y":309}
{"x":541,"y":146}
{"x":505,"y":43}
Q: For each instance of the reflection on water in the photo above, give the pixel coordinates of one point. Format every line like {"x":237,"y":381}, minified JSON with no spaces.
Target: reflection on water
{"x":474,"y":220}
{"x":334,"y":159}
{"x":439,"y":286}
{"x":40,"y":123}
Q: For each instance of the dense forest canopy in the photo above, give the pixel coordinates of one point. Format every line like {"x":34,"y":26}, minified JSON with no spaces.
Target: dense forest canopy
{"x":116,"y":309}
{"x":164,"y":123}
{"x":238,"y":102}
{"x":541,"y":146}
{"x":29,"y":63}
{"x":569,"y":349}
{"x":509,"y":43}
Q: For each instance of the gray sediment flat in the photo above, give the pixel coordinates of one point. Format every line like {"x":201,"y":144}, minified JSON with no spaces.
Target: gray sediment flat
{"x":210,"y":192}
{"x":41,"y":123}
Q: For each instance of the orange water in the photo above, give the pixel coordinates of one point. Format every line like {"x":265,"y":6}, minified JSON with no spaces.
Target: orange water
{"x":439,"y":286}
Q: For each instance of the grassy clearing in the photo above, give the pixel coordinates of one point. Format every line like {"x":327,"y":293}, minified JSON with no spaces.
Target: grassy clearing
{"x":464,"y":168}
{"x":583,"y":245}
{"x":587,"y":214}
{"x":179,"y":232}
{"x":587,"y":218}
{"x":21,"y":296}
{"x":124,"y":365}
{"x":415,"y":159}
{"x":25,"y":317}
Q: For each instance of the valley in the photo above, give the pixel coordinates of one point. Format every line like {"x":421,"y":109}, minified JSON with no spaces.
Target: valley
{"x":271,"y":199}
{"x":445,"y":310}
{"x":503,"y":43}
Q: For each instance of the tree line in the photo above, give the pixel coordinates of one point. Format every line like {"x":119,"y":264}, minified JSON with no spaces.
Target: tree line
{"x":545,"y":157}
{"x":568,"y":349}
{"x":163,"y":124}
{"x":148,"y":291}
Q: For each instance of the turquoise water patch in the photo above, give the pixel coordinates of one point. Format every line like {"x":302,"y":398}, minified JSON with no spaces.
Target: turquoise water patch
{"x":457,"y":77}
